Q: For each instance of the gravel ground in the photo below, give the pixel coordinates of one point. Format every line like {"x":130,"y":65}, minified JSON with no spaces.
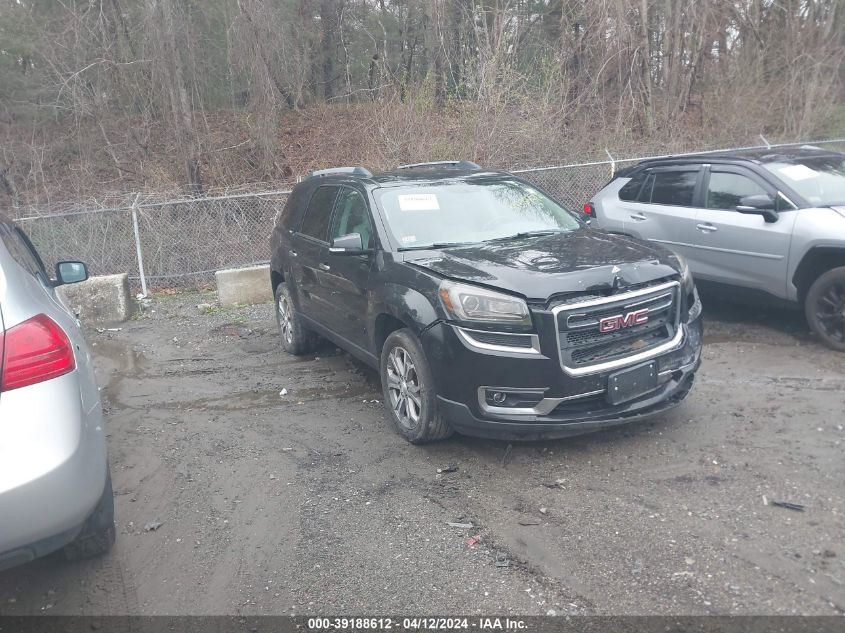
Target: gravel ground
{"x":310,"y":503}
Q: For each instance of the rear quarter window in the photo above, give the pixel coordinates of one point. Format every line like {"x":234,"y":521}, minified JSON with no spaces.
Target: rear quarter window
{"x":291,"y":212}
{"x":631,"y":190}
{"x":316,"y":221}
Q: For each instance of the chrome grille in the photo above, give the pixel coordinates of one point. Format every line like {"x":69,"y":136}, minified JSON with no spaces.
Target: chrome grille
{"x":497,"y":338}
{"x":585,"y":349}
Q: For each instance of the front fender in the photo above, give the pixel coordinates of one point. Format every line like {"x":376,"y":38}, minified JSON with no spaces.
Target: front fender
{"x":815,"y":230}
{"x":414,"y":308}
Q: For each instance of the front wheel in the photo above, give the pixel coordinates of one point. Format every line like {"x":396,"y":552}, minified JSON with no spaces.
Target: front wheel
{"x":824,"y":308}
{"x":408,"y":386}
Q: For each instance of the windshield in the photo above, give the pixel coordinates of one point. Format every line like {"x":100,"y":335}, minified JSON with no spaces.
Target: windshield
{"x":820,"y":179}
{"x":469,"y":212}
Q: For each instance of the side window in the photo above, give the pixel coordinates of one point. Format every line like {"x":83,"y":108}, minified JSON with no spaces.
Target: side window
{"x":20,"y":249}
{"x":352,"y":217}
{"x":726,"y":190}
{"x":676,"y":188}
{"x":319,"y":212}
{"x":631,"y":189}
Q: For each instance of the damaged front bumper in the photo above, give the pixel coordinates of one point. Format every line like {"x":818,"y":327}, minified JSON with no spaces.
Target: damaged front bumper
{"x":539,"y":400}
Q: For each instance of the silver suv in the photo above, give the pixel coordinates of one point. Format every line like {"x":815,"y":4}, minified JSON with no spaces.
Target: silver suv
{"x":55,"y":488}
{"x":765,"y":220}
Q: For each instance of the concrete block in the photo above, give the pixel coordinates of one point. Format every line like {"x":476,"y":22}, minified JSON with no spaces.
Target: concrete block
{"x":99,"y":300}
{"x":243,"y":285}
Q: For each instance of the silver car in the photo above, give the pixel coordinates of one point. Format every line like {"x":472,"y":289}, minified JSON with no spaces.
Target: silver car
{"x":764,"y":221}
{"x":55,"y":487}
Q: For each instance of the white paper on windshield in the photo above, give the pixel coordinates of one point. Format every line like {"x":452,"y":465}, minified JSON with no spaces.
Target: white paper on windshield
{"x":798,"y":172}
{"x":418,"y":202}
{"x":408,"y":239}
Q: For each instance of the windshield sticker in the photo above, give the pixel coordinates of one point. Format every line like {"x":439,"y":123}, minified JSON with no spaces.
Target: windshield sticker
{"x":408,"y":239}
{"x":798,"y":172}
{"x":418,"y":202}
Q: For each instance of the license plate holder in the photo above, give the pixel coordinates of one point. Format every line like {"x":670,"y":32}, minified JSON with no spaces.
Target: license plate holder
{"x":629,"y":384}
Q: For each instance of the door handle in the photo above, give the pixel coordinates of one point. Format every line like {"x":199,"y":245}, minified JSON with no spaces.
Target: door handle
{"x":292,"y":253}
{"x":325,"y":267}
{"x":706,"y":228}
{"x":639,"y":217}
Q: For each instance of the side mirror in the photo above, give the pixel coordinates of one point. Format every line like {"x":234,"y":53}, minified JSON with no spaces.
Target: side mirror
{"x":70,"y":273}
{"x":759,"y":204}
{"x":350,"y":244}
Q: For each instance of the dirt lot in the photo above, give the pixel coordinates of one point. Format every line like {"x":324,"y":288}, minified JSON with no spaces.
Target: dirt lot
{"x":310,"y":503}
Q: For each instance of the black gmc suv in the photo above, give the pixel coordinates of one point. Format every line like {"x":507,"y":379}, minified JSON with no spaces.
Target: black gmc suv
{"x":487,"y":307}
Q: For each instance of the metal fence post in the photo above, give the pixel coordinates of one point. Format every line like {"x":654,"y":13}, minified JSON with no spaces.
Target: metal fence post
{"x":612,"y":163}
{"x":138,"y":253}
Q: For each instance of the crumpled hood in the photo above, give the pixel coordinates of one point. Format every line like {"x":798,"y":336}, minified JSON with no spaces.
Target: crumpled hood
{"x":539,"y":267}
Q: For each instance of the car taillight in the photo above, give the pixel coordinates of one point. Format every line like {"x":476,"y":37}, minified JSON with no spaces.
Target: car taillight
{"x":589,"y":209}
{"x":34,"y":351}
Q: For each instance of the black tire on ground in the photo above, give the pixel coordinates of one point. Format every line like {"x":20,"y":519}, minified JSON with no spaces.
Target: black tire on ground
{"x":824,"y":308}
{"x":408,"y":386}
{"x":98,"y":533}
{"x":296,"y":338}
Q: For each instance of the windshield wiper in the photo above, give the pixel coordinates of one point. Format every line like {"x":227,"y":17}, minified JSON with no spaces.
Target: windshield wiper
{"x":516,"y":236}
{"x":434,"y":245}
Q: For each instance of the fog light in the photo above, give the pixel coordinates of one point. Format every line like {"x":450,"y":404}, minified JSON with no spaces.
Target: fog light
{"x":508,"y":398}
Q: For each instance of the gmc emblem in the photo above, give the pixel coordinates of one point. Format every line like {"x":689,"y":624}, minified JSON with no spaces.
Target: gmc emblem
{"x":618,"y":322}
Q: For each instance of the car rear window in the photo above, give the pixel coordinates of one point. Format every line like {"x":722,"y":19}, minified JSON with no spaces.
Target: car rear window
{"x":20,"y":248}
{"x":676,"y":188}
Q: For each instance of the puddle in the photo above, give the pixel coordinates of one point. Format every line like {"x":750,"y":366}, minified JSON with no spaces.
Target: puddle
{"x":266,"y":398}
{"x":722,"y":337}
{"x":127,"y":361}
{"x":758,"y":336}
{"x":232,"y":329}
{"x":335,"y":391}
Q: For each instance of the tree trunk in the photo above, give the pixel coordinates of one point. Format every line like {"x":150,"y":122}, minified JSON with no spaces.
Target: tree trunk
{"x":645,"y":52}
{"x":434,"y":44}
{"x":328,"y":44}
{"x":179,"y":100}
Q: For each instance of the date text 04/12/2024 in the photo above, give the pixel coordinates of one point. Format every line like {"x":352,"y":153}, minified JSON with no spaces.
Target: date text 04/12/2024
{"x":416,"y":624}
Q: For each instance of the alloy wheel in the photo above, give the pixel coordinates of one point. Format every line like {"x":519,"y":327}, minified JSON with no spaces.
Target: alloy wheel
{"x":403,"y":386}
{"x":830,"y":311}
{"x":284,"y":318}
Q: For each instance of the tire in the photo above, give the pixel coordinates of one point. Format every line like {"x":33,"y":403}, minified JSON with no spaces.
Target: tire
{"x":408,"y":387}
{"x":296,"y":338}
{"x":824,"y":308}
{"x":98,"y":534}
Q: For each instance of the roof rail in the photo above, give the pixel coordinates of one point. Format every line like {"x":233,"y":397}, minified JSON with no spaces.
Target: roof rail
{"x":332,"y":171}
{"x":460,"y":164}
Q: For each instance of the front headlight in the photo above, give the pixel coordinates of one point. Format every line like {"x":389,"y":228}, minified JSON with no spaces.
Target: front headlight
{"x":473,"y":303}
{"x":686,"y":274}
{"x":689,"y":290}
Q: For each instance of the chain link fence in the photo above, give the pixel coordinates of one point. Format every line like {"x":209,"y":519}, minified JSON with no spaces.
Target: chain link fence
{"x":179,"y":243}
{"x":176,"y":243}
